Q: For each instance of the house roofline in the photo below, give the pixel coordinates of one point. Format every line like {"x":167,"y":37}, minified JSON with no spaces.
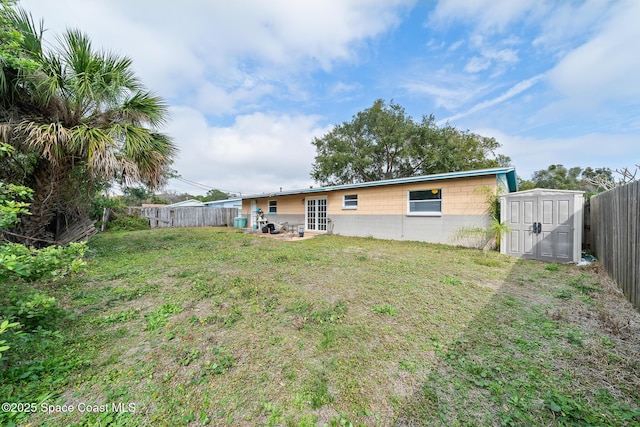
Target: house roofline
{"x":508,"y":172}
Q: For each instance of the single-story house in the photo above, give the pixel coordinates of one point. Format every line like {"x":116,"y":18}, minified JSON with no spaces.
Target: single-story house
{"x":428,"y":208}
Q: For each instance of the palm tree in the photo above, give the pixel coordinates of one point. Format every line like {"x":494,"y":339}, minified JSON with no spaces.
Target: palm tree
{"x":87,"y":121}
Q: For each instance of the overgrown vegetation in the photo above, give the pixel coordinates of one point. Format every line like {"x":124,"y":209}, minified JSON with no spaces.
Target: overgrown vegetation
{"x":79,"y":120}
{"x":215,"y":327}
{"x":488,"y":237}
{"x":29,"y":317}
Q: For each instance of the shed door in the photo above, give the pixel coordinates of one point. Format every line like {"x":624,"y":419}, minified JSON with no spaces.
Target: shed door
{"x":554,"y":242}
{"x":521,"y":241}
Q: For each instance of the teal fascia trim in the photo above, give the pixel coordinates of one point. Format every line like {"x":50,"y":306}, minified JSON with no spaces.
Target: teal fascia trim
{"x":509,"y":172}
{"x":508,"y":181}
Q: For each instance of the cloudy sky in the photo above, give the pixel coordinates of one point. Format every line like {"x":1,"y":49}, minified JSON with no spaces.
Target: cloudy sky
{"x":252,"y":82}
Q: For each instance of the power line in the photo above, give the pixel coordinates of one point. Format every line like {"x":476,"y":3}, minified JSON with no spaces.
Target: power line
{"x":204,"y":187}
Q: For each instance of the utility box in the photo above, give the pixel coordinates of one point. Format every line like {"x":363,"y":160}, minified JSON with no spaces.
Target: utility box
{"x":542,"y":224}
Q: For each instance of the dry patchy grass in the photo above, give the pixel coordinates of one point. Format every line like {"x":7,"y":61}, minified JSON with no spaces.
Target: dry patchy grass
{"x":212,"y":326}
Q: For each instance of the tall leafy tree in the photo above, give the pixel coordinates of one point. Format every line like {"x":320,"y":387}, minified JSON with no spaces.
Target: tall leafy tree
{"x":83,"y":119}
{"x":212,"y":195}
{"x":383,"y":142}
{"x":557,"y":176}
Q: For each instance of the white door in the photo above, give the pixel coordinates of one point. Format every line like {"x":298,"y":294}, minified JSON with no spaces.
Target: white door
{"x":316,"y":214}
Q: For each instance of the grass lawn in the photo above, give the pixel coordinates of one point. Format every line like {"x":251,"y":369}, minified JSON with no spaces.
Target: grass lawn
{"x":211,"y":326}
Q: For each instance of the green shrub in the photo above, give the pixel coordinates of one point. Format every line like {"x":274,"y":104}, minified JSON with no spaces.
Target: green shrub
{"x":128,"y":223}
{"x":29,"y":264}
{"x":31,"y":308}
{"x":4,"y":327}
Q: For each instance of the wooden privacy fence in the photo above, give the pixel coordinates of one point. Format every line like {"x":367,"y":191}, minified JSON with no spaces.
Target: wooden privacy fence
{"x":189,"y":216}
{"x":615,"y":236}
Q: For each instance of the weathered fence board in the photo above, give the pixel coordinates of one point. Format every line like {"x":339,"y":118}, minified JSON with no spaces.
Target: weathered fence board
{"x":586,"y":226}
{"x":189,"y":216}
{"x":77,"y":232}
{"x":615,"y":236}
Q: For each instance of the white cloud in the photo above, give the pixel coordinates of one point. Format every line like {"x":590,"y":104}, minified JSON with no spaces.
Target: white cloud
{"x":446,"y":89}
{"x":486,"y":14}
{"x":343,"y":89}
{"x":477,"y":63}
{"x":530,"y":154}
{"x":568,"y":21}
{"x":443,"y":96}
{"x":606,"y":67}
{"x":185,"y":44}
{"x":455,"y":46}
{"x":513,"y":91}
{"x":258,"y":152}
{"x":219,"y":100}
{"x":490,"y":55}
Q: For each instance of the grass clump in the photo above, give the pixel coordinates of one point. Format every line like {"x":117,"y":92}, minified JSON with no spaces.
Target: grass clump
{"x":451,"y":281}
{"x":159,"y":317}
{"x":385,"y":309}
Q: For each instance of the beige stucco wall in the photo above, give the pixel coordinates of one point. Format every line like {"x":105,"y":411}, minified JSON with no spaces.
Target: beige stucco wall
{"x":287,"y":205}
{"x":461,"y":196}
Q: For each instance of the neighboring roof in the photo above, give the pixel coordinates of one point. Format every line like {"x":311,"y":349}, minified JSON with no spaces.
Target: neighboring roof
{"x":509,"y":174}
{"x":186,"y":203}
{"x":225,"y":201}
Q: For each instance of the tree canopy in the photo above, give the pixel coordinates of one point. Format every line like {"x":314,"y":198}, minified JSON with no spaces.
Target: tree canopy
{"x":559,"y":177}
{"x":383,"y":142}
{"x":78,"y":119}
{"x":213,"y":195}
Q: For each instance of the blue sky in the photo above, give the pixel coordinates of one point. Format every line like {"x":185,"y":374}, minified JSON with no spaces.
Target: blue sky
{"x":251,"y":83}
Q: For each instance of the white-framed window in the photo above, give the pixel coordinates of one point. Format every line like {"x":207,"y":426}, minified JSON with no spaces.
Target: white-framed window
{"x":350,"y":201}
{"x":273,"y":206}
{"x":424,"y":202}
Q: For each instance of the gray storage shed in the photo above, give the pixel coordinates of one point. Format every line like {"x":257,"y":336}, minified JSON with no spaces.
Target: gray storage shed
{"x":543,"y":224}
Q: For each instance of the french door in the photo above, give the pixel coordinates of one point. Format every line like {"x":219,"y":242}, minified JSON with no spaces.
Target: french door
{"x":316,"y":214}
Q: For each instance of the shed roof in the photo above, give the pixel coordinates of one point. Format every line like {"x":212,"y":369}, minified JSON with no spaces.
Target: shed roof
{"x":507,"y":173}
{"x":541,"y":192}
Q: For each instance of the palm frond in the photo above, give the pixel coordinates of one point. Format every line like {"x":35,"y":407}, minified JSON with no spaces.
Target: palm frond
{"x":152,"y":152}
{"x":4,"y":86}
{"x":129,"y":173}
{"x":144,"y":108}
{"x":117,"y":73}
{"x":49,"y":139}
{"x":6,"y":130}
{"x":22,"y":21}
